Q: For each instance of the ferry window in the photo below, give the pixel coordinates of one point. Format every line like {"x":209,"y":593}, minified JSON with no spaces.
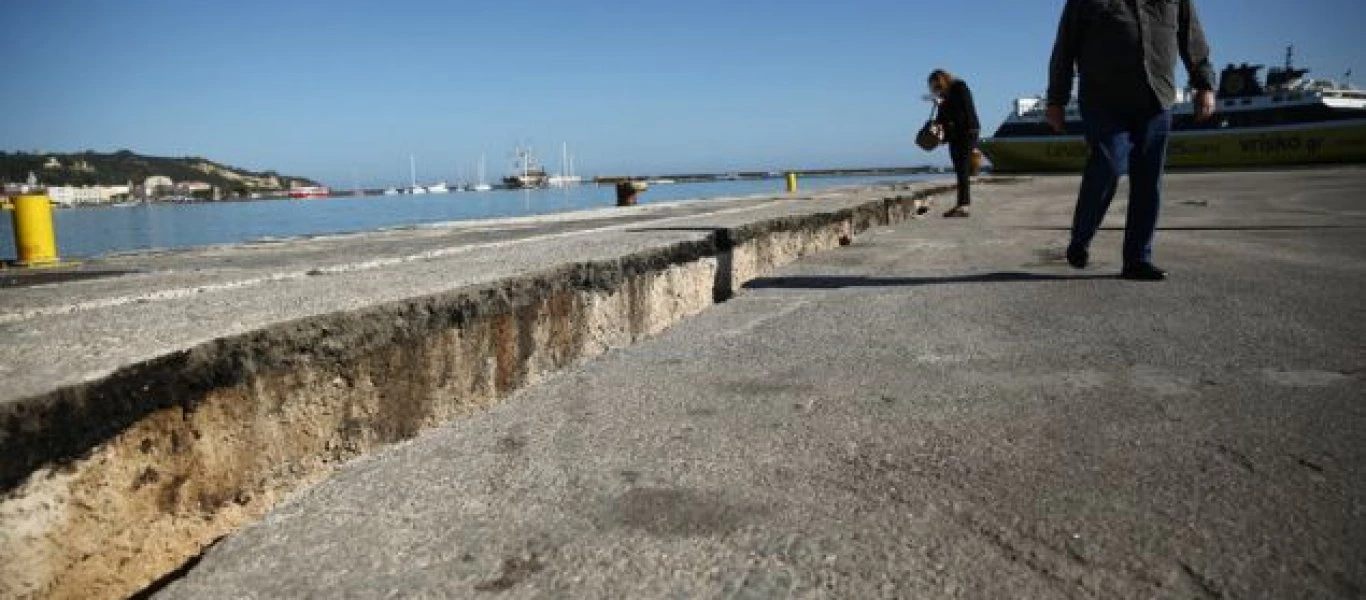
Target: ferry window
{"x":1229,"y":102}
{"x":1247,"y":101}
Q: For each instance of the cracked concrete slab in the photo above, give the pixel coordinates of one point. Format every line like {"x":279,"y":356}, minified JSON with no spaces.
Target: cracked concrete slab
{"x":898,"y":419}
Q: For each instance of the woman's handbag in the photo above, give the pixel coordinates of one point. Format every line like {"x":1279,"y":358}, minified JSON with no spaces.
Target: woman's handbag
{"x":932,"y":134}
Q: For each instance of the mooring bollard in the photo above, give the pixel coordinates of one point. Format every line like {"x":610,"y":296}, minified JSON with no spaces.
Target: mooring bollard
{"x":35,"y":240}
{"x":791,"y":182}
{"x":627,"y":191}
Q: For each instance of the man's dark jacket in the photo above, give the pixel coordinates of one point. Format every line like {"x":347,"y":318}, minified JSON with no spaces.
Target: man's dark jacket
{"x":1126,"y":52}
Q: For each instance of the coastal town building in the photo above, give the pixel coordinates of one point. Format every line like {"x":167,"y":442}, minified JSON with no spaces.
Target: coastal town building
{"x":192,"y":187}
{"x":157,"y":185}
{"x":69,"y":195}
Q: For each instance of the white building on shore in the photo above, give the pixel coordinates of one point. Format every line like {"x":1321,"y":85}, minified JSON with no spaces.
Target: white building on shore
{"x":157,"y":185}
{"x":68,"y":195}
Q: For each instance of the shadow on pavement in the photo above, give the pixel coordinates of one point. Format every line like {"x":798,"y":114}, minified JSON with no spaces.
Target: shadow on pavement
{"x":836,"y":282}
{"x":18,"y":278}
{"x":1214,"y":228}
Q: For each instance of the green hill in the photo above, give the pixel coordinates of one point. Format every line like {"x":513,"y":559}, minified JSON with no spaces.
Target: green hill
{"x":96,"y":168}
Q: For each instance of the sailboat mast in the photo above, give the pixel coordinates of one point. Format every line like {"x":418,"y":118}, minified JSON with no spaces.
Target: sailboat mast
{"x":412,"y":169}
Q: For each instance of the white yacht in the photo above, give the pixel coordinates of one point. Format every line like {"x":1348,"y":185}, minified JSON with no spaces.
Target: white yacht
{"x":482,"y":185}
{"x":413,"y":187}
{"x":566,"y":177}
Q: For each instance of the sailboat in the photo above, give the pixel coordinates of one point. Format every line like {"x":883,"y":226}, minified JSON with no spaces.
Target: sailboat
{"x":482,"y":185}
{"x":528,"y":174}
{"x":566,"y":177}
{"x":412,"y":173}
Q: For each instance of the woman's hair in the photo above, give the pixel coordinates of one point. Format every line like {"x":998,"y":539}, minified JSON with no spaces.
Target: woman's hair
{"x":936,"y":74}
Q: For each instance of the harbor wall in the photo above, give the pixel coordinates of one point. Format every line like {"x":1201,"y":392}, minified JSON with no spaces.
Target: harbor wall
{"x":110,"y":485}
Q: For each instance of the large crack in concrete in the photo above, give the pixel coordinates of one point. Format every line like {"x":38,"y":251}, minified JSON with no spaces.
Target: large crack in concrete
{"x":110,"y":485}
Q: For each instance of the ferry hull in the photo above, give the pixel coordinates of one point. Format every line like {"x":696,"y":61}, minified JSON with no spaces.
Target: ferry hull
{"x":1318,"y":143}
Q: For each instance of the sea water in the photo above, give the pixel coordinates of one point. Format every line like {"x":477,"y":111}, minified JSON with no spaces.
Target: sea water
{"x":98,"y":231}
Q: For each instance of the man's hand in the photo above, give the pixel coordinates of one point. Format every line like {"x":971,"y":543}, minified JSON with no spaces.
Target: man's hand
{"x":1204,"y":105}
{"x":1057,"y":117}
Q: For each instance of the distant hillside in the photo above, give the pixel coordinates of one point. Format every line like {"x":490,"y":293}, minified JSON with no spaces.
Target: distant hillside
{"x":95,"y":168}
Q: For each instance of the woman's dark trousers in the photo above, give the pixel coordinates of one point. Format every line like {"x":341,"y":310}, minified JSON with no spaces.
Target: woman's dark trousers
{"x":960,"y":151}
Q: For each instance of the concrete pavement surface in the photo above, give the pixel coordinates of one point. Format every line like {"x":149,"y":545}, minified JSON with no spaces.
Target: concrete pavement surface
{"x":160,"y":302}
{"x":941,"y":410}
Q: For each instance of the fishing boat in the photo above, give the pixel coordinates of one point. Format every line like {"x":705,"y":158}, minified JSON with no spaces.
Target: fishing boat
{"x":527,"y":173}
{"x":1288,"y":120}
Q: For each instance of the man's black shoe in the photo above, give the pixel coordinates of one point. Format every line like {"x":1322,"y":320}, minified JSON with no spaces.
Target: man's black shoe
{"x":1143,"y":272}
{"x":1078,"y":257}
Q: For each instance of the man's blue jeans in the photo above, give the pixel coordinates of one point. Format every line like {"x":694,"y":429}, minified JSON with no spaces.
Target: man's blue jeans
{"x":1120,"y":141}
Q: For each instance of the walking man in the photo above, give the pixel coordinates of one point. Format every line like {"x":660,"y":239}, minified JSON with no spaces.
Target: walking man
{"x":1125,"y":52}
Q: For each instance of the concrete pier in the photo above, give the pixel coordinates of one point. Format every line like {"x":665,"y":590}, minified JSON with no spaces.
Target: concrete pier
{"x":151,"y":411}
{"x":940,"y":409}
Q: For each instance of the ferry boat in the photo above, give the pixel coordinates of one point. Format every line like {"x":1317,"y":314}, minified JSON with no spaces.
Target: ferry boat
{"x":309,"y":191}
{"x":1291,"y":120}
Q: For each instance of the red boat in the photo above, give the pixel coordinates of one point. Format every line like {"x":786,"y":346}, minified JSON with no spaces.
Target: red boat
{"x":309,"y":192}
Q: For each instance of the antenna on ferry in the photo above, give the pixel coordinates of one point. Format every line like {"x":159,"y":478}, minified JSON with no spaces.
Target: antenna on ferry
{"x":1290,"y":57}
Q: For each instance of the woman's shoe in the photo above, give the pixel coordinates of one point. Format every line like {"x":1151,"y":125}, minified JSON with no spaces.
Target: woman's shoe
{"x":956,"y":212}
{"x":1078,"y":257}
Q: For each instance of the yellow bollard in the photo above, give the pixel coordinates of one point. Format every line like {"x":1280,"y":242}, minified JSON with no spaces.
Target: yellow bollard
{"x":791,"y":183}
{"x":35,"y":241}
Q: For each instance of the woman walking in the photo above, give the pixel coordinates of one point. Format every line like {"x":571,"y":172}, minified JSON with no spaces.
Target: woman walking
{"x":958,"y":117}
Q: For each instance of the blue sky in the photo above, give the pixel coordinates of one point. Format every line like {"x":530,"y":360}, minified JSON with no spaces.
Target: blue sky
{"x":344,"y":89}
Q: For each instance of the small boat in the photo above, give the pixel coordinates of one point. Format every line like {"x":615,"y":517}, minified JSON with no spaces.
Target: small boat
{"x":309,"y":191}
{"x":1291,"y":120}
{"x":566,"y":177}
{"x":440,"y":188}
{"x":391,"y":192}
{"x":414,"y":188}
{"x":482,"y":185}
